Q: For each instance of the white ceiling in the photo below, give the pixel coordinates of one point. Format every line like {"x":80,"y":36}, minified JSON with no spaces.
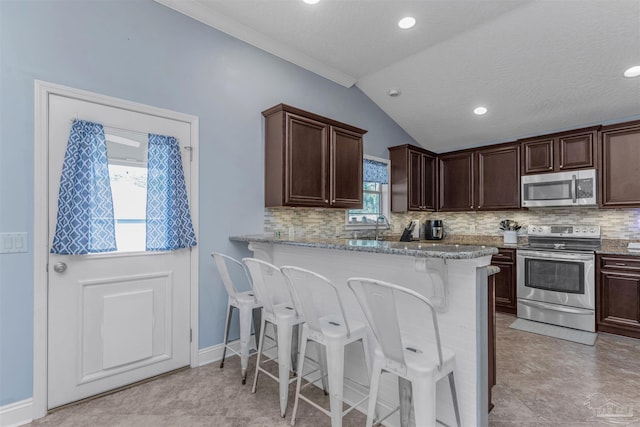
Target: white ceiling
{"x":538,"y":66}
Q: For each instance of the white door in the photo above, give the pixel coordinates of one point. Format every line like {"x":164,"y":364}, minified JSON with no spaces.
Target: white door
{"x":114,"y":318}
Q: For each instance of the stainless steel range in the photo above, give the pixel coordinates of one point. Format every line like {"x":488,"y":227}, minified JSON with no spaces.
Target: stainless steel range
{"x":556,"y":275}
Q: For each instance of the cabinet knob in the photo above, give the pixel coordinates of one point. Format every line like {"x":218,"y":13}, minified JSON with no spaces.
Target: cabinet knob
{"x":326,"y":201}
{"x":333,"y":201}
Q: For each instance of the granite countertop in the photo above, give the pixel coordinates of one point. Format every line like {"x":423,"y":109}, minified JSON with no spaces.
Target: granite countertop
{"x":492,"y":269}
{"x":453,"y":247}
{"x":483,"y":240}
{"x":616,"y":247}
{"x":418,"y":249}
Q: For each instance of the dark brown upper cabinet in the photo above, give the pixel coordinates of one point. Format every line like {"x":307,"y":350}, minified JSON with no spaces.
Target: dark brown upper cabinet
{"x":311,"y":160}
{"x":570,"y":150}
{"x":456,"y":181}
{"x":480,"y":179}
{"x":620,"y":165}
{"x":498,"y":177}
{"x":413,"y":175}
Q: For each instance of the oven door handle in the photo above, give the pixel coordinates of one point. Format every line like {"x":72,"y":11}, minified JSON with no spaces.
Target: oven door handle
{"x":555,"y":255}
{"x":555,"y":307}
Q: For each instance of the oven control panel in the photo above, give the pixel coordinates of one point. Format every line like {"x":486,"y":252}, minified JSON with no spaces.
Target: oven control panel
{"x":584,"y":231}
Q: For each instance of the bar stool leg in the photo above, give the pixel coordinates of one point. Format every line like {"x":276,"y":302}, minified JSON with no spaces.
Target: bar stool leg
{"x":303,"y":351}
{"x":257,"y":321}
{"x":404,"y":388}
{"x":322,"y":360}
{"x":284,"y":334}
{"x":260,"y":344}
{"x":295,"y":343}
{"x":454,"y":397}
{"x":376,"y":372}
{"x":424,"y":398}
{"x":245,"y":336}
{"x":227,"y":326}
{"x":335,"y":368}
{"x":367,"y":361}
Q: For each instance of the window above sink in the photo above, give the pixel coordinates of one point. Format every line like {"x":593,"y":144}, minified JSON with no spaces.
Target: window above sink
{"x":375,"y":200}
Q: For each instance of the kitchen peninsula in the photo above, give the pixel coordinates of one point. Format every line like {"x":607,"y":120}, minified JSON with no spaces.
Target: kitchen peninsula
{"x":453,"y":276}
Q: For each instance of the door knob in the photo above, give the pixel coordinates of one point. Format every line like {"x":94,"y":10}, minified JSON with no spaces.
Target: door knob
{"x":60,"y":267}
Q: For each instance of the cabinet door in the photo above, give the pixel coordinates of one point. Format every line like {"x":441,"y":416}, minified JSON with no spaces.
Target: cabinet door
{"x":505,"y":280}
{"x":346,"y":169}
{"x":498,"y":178}
{"x":537,"y":156}
{"x":620,"y":171}
{"x":415,"y":181}
{"x":505,"y":285}
{"x":306,"y":162}
{"x":618,"y":307}
{"x":428,"y":167}
{"x":576,"y":151}
{"x":456,"y":182}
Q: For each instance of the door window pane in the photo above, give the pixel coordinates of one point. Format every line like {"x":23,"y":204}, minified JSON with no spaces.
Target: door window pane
{"x":129,"y":188}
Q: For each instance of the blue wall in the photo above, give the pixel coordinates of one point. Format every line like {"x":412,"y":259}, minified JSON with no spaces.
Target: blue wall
{"x":144,"y":52}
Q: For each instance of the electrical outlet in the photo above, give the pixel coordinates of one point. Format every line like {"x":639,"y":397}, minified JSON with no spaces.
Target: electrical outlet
{"x":472,"y":228}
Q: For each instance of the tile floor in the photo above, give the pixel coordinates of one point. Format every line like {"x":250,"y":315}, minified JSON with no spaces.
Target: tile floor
{"x":542,"y":382}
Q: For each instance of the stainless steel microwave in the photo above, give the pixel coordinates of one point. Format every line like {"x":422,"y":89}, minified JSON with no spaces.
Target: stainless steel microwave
{"x":573,"y":188}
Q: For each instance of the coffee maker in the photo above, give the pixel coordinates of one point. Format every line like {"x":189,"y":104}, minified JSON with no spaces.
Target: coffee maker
{"x":433,"y":229}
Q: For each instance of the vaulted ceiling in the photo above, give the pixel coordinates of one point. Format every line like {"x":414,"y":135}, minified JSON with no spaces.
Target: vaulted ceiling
{"x":538,"y":66}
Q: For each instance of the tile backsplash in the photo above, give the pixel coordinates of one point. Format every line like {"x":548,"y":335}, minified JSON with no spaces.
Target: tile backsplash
{"x":614,"y":223}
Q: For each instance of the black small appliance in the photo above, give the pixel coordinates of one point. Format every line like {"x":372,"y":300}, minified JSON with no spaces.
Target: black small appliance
{"x":433,"y":229}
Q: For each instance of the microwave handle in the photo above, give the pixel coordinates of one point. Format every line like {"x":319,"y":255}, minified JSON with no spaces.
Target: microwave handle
{"x":574,"y":188}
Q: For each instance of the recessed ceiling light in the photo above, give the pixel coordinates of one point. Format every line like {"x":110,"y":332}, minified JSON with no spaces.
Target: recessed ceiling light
{"x":394,"y":92}
{"x":311,"y":1}
{"x":633,"y":71}
{"x":480,"y":111}
{"x":407,"y":22}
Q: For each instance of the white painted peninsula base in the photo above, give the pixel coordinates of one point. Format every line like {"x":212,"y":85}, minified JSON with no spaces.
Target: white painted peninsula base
{"x":463,"y":326}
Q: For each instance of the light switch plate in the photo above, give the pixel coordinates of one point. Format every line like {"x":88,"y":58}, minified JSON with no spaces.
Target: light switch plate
{"x":13,"y":243}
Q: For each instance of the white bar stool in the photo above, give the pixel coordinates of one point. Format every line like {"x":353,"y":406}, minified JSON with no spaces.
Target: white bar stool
{"x":410,"y":358}
{"x":326,"y":324}
{"x":279,"y":311}
{"x":246,"y":304}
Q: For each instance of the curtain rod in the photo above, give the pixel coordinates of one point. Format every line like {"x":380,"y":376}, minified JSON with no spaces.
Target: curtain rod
{"x":107,"y":127}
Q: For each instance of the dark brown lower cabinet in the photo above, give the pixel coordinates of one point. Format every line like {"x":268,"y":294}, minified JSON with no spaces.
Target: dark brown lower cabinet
{"x":505,"y":281}
{"x":492,"y":336}
{"x":618,"y":295}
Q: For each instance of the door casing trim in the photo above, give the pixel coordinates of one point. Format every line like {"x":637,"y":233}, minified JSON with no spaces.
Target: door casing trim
{"x":40,"y":222}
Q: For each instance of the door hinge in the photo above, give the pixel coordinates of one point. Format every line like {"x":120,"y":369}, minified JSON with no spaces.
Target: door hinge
{"x":46,"y":268}
{"x":190,"y":152}
{"x":190,"y":335}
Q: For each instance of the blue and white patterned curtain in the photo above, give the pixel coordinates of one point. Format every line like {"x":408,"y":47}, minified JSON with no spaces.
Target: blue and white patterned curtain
{"x":85,"y":206}
{"x":169,"y":224}
{"x":375,"y":171}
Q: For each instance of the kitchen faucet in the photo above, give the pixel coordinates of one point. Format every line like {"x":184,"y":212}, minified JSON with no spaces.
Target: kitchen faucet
{"x":386,"y":223}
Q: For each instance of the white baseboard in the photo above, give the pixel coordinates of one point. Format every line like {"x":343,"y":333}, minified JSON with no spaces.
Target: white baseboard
{"x":16,"y":414}
{"x":214,"y":353}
